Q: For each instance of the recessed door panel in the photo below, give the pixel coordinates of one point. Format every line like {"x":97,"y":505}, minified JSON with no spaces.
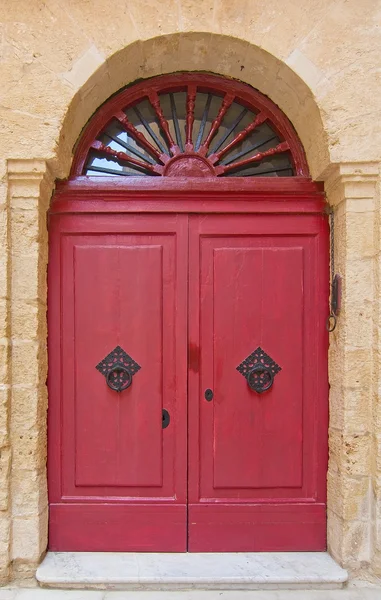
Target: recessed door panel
{"x":119,"y":301}
{"x":257,"y":301}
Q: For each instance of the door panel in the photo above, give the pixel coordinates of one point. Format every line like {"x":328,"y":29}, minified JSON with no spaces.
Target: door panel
{"x":127,"y":421}
{"x":257,"y":295}
{"x":257,"y":461}
{"x":119,"y":482}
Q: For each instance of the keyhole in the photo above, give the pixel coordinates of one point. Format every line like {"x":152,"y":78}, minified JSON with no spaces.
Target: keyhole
{"x":165,"y":419}
{"x":208,"y":395}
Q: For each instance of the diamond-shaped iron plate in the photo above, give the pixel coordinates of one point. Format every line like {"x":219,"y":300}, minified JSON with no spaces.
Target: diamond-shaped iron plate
{"x":118,"y":368}
{"x":259,"y":370}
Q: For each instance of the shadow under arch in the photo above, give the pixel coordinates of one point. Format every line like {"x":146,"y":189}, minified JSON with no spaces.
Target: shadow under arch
{"x":197,"y":51}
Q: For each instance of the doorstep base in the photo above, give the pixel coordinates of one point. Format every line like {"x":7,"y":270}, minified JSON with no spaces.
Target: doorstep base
{"x":186,"y":571}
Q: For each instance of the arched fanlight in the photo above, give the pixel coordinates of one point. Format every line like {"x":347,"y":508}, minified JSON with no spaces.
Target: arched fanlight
{"x":192,"y":125}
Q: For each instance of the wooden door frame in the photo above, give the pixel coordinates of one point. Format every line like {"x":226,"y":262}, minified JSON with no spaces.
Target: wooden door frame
{"x":189,"y":195}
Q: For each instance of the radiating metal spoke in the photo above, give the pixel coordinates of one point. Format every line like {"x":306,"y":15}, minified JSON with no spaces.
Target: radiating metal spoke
{"x":257,"y":158}
{"x":164,"y":125}
{"x":257,"y":121}
{"x":149,"y":130}
{"x":111,"y":154}
{"x":130,"y":148}
{"x":225,"y":105}
{"x":203,"y":121}
{"x":227,"y":161}
{"x":176,"y":123}
{"x":122,"y":118}
{"x":191,"y":102}
{"x":229,"y":131}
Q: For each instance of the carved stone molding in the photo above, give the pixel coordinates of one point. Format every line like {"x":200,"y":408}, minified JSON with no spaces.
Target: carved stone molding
{"x":29,"y":178}
{"x":351,"y":180}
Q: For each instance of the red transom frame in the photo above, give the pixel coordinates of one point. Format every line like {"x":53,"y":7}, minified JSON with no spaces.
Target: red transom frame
{"x":187,"y":151}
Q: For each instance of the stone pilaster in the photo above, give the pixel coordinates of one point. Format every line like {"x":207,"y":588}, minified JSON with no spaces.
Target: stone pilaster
{"x":376,"y":399}
{"x":351,"y":192}
{"x":29,"y":190}
{"x":5,"y":334}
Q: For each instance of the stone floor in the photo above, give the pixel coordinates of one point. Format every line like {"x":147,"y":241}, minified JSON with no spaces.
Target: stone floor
{"x":351,"y":593}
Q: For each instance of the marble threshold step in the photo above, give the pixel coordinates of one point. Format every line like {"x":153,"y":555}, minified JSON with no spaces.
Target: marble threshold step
{"x":187,"y":571}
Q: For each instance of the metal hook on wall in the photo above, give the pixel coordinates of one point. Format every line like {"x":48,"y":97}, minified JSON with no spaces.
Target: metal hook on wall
{"x":336,"y":281}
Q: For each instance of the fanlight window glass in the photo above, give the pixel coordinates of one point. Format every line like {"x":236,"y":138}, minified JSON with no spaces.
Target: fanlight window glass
{"x":228,"y":136}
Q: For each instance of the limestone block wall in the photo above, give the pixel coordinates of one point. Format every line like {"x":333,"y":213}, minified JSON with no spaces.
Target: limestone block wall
{"x":319,"y":61}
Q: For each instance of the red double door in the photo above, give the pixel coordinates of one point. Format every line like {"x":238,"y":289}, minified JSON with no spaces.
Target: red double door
{"x":214,"y":325}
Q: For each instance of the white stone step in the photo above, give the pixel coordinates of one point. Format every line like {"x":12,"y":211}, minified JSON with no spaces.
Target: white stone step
{"x":187,"y":571}
{"x":368,"y":593}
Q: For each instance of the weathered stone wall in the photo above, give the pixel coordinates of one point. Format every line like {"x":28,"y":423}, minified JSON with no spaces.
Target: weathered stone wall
{"x":319,"y":61}
{"x":351,"y":191}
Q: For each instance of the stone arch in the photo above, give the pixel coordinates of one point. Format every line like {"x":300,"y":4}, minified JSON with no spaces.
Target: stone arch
{"x":195,"y":51}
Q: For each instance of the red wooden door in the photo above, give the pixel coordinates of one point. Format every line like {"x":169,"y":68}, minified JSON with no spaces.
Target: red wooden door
{"x":257,"y":461}
{"x":254,"y":475}
{"x":117,"y":478}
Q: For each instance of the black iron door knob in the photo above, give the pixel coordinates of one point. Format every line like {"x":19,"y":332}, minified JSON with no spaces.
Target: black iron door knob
{"x":119,"y":378}
{"x":260,"y":378}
